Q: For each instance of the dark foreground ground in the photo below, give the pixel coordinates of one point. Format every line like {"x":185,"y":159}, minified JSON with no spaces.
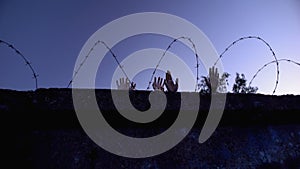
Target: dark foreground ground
{"x":40,"y":129}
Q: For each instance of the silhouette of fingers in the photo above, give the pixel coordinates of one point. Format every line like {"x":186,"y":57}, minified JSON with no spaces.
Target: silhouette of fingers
{"x":168,"y":76}
{"x":158,"y":84}
{"x":154,"y":83}
{"x":171,"y":86}
{"x":132,"y":86}
{"x":124,"y":84}
{"x":160,"y":81}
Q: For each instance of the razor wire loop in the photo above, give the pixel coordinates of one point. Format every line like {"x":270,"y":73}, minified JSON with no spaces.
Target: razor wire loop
{"x":27,"y":62}
{"x":266,"y":43}
{"x":267,"y":64}
{"x":167,"y":49}
{"x":86,"y":57}
{"x":197,"y":59}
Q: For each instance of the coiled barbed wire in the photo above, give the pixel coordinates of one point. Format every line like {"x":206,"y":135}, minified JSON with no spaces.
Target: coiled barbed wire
{"x":35,"y":75}
{"x":196,"y":56}
{"x":86,"y":57}
{"x":267,"y":64}
{"x":27,"y":62}
{"x":267,"y":44}
{"x":163,"y":55}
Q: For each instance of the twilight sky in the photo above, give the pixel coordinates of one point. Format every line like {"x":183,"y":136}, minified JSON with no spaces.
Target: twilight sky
{"x":51,"y":34}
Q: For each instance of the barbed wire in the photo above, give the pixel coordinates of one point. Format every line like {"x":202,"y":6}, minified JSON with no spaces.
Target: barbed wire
{"x":35,"y":75}
{"x":196,"y":55}
{"x":267,"y":44}
{"x":27,"y":63}
{"x":88,"y":55}
{"x":265,"y":65}
{"x":167,"y":49}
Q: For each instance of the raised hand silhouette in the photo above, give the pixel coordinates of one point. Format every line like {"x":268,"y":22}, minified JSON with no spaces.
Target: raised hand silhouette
{"x":158,"y":84}
{"x":171,"y":86}
{"x":132,"y":86}
{"x":212,"y":80}
{"x":123,"y":84}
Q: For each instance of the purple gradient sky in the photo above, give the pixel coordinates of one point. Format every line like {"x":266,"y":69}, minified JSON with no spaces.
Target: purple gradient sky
{"x":52,"y":33}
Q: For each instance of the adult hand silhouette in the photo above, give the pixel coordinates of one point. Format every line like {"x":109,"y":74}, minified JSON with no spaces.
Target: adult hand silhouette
{"x":213,"y":79}
{"x":171,"y":86}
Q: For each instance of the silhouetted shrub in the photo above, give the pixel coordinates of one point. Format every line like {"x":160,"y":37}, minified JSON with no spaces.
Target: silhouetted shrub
{"x":240,"y":85}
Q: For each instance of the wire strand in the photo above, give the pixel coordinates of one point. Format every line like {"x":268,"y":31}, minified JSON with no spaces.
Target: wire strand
{"x":88,"y":55}
{"x":167,"y":49}
{"x":27,"y":62}
{"x":267,"y":44}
